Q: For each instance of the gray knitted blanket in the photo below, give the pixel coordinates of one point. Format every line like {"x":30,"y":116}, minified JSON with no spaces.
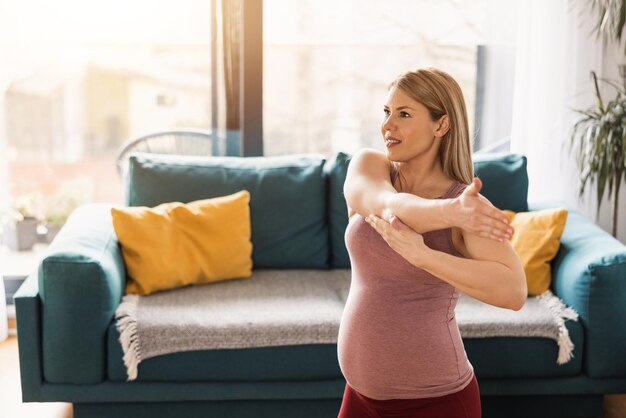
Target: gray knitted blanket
{"x":292,"y":307}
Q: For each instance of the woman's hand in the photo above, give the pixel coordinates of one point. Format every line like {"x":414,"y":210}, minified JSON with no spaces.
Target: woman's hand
{"x":475,"y":213}
{"x":401,"y":238}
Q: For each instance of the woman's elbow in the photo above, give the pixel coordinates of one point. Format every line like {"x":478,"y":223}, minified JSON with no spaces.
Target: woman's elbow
{"x":519,"y":303}
{"x":518,"y":298}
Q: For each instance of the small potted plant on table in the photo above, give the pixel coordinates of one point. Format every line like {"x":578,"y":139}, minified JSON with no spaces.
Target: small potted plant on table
{"x":19,"y":223}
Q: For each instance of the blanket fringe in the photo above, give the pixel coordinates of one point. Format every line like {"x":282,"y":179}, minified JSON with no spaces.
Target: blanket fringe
{"x":126,"y":323}
{"x":561,"y":313}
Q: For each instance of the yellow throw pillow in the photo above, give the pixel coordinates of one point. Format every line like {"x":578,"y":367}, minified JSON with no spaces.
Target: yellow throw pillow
{"x":176,"y":244}
{"x":536,"y":241}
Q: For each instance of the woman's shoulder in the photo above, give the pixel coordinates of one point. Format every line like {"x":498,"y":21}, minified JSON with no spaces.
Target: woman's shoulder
{"x":367,"y":161}
{"x":369,"y":155}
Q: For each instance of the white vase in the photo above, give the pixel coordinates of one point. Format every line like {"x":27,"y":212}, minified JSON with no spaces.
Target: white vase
{"x":21,"y":235}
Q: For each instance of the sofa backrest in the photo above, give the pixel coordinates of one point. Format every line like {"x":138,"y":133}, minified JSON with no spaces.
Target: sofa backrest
{"x":287,"y":199}
{"x":298,"y":211}
{"x":505,"y":184}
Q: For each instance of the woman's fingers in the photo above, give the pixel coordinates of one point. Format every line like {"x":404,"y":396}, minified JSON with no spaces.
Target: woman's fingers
{"x":383,"y":227}
{"x":494,"y":228}
{"x":380,"y":226}
{"x":495,"y":221}
{"x":375,"y":222}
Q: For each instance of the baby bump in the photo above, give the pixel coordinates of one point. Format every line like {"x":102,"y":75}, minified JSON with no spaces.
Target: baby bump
{"x":394,"y":351}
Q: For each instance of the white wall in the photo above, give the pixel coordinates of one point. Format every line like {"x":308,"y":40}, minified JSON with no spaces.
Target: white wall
{"x":555,"y":54}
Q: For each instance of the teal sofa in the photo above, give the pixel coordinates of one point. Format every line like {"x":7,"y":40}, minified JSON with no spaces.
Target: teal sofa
{"x":68,"y":343}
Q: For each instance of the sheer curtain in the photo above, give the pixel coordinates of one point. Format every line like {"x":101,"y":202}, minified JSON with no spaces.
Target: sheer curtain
{"x":4,"y":169}
{"x":555,"y":54}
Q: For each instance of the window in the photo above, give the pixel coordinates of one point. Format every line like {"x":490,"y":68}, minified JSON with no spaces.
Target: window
{"x":326,"y":74}
{"x":80,"y":78}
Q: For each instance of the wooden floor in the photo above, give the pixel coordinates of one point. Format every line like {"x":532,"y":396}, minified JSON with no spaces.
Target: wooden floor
{"x":11,"y":394}
{"x":11,"y":405}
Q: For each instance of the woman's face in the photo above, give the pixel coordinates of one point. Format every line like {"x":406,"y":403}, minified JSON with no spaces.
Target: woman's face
{"x":407,"y":129}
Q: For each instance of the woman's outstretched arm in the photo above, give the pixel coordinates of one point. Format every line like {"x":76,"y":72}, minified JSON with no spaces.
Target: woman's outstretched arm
{"x":492,"y":273}
{"x":368,"y":190}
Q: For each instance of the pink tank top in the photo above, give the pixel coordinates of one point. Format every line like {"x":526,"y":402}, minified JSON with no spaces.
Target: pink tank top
{"x":398,"y":337}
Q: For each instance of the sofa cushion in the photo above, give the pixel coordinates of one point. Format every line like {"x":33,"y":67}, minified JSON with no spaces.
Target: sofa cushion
{"x":287,"y":199}
{"x":524,"y":357}
{"x":335,"y":171}
{"x":239,"y":341}
{"x":289,"y":362}
{"x":536,"y":241}
{"x":273,"y":308}
{"x":505,"y":180}
{"x":505,"y":184}
{"x":500,"y":357}
{"x":177,"y":244}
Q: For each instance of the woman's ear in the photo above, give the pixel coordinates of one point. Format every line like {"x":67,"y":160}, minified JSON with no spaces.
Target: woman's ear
{"x":443,"y":126}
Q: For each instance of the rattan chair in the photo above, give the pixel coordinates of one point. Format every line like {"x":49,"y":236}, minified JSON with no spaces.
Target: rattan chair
{"x":174,"y":142}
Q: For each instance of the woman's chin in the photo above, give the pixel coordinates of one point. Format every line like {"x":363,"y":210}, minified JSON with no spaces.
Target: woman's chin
{"x":391,"y":156}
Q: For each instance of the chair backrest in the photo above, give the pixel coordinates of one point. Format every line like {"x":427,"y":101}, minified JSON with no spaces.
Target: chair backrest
{"x":195,"y":142}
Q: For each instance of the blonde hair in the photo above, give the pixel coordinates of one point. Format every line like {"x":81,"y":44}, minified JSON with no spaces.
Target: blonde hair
{"x":442,"y":95}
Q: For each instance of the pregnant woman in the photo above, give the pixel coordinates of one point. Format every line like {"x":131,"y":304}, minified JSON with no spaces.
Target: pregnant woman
{"x":419,"y":233}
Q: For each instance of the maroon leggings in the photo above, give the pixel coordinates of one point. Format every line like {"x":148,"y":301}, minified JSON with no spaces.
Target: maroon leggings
{"x":463,"y":404}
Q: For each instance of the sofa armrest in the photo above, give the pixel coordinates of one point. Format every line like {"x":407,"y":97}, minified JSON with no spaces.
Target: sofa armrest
{"x":589,"y":274}
{"x":81,"y":282}
{"x":27,"y":311}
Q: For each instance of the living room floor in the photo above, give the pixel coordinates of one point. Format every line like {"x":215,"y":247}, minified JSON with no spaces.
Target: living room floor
{"x":11,"y":394}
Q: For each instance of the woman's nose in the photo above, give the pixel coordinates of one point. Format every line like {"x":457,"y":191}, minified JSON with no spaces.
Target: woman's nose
{"x":388,"y":124}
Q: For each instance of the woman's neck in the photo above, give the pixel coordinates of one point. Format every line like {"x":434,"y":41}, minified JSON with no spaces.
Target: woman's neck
{"x":420,"y":176}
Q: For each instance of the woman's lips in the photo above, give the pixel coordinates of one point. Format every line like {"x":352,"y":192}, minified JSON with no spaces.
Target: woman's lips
{"x":391,"y":143}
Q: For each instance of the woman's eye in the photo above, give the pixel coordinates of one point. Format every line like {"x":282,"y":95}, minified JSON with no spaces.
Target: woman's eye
{"x":386,"y":111}
{"x":404,"y":114}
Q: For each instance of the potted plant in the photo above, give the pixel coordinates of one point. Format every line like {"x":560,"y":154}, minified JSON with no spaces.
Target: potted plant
{"x":599,"y":140}
{"x":599,"y":137}
{"x":19,"y":222}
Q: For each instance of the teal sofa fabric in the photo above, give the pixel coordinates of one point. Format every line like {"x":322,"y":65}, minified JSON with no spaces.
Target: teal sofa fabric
{"x":287,"y":199}
{"x":336,"y":170}
{"x":259,"y":364}
{"x":68,"y":342}
{"x":588,"y":273}
{"x":524,"y":358}
{"x":505,"y":180}
{"x":81,"y":281}
{"x":501,"y":358}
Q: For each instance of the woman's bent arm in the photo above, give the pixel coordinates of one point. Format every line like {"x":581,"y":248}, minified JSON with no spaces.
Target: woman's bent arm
{"x":494,"y":274}
{"x":368,"y":191}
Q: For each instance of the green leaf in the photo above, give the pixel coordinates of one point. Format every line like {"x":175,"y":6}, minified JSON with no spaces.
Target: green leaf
{"x":598,"y":96}
{"x":590,"y":113}
{"x":623,"y":156}
{"x":601,"y":183}
{"x":599,"y":143}
{"x":620,"y":23}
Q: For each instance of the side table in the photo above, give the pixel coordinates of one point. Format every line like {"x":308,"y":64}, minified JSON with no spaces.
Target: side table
{"x":15,"y":267}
